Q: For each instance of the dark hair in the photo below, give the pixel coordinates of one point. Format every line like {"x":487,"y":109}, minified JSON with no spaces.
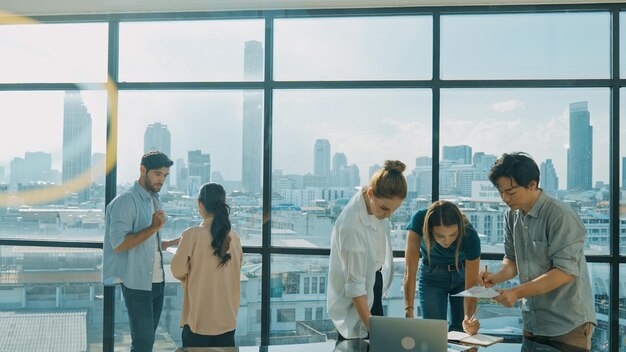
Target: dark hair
{"x":213,"y":198}
{"x":389,"y":182}
{"x":444,"y":213}
{"x":517,"y":166}
{"x":155,"y":160}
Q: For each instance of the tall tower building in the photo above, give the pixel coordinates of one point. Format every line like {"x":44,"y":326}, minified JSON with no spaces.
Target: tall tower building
{"x":157,"y":137}
{"x":199,"y":165}
{"x":38,"y":166}
{"x":76,"y":141}
{"x":459,"y":153}
{"x":483,"y":161}
{"x":252,"y":148}
{"x":321,"y":162}
{"x":340,"y":163}
{"x":548,"y":178}
{"x":580,"y":152}
{"x":372,"y":170}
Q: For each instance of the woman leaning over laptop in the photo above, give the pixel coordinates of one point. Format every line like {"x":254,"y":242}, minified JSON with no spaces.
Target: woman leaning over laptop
{"x":450,"y":265}
{"x":360,"y":252}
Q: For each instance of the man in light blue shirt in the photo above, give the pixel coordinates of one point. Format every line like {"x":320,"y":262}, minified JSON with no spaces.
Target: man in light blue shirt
{"x":132,"y":249}
{"x":544,"y":240}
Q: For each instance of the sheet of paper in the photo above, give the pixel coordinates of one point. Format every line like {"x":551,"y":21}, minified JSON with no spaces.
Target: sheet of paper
{"x":171,"y":249}
{"x":482,"y":340}
{"x":478,"y":292}
{"x":457,"y":335}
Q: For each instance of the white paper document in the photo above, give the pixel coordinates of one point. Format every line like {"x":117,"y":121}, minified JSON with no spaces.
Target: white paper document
{"x":478,"y":292}
{"x":478,"y":339}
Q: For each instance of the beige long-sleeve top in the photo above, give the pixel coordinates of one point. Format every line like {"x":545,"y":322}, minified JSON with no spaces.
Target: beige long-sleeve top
{"x":211,"y":292}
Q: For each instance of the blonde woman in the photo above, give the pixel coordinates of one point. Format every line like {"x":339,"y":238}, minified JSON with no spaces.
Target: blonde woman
{"x":360,"y":252}
{"x":450,"y":251}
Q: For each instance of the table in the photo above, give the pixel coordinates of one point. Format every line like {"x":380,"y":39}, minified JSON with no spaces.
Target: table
{"x":363,"y":346}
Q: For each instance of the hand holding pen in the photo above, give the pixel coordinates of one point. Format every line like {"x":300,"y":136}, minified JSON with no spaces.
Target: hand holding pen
{"x":486,"y":279}
{"x":471,"y":324}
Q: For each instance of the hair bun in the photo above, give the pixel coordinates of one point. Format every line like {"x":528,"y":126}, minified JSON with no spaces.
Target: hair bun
{"x":395,"y":165}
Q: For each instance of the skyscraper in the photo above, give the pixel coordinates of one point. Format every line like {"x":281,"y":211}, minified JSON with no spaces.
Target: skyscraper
{"x":76,"y":141}
{"x":548,"y":178}
{"x":34,"y":167}
{"x":252,"y":148}
{"x":199,"y":165}
{"x":580,"y":152}
{"x":157,"y":137}
{"x":321,"y":162}
{"x":340,"y":163}
{"x":372,"y":170}
{"x":459,"y":153}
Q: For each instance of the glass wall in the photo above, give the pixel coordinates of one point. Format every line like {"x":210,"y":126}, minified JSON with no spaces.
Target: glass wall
{"x":327,"y":142}
{"x":52,"y":165}
{"x":205,"y":133}
{"x":478,"y":125}
{"x":50,"y":292}
{"x":526,"y":46}
{"x":353,"y":48}
{"x":290,"y":113}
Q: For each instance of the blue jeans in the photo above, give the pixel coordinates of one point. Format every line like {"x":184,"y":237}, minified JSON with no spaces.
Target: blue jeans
{"x":436,"y":284}
{"x":144,"y":311}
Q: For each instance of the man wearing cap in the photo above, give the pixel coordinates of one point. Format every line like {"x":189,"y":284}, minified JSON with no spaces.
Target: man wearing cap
{"x":132,"y":249}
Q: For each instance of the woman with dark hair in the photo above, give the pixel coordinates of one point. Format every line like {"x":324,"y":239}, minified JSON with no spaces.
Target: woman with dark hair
{"x":208,"y":263}
{"x":451,"y":264}
{"x":360,"y":252}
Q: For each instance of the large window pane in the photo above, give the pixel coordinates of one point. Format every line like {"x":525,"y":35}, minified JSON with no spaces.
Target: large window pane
{"x":51,"y":299}
{"x":212,"y":136}
{"x":566,"y":131}
{"x":327,"y":142}
{"x":524,"y":46}
{"x":228,"y":50}
{"x":357,"y":48}
{"x":47,"y":53}
{"x":52,"y":165}
{"x":298,"y":313}
{"x":168,"y":334}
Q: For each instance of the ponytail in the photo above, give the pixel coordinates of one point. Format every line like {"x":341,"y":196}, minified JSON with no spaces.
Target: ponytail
{"x":213,"y":198}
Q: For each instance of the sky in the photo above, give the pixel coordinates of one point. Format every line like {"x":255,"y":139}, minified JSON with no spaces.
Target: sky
{"x":368,"y":125}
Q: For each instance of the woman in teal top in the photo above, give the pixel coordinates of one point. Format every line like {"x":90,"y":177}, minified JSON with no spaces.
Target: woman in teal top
{"x":450,"y":250}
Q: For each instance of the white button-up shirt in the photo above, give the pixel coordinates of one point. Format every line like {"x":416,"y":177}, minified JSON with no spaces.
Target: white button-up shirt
{"x":355,"y":253}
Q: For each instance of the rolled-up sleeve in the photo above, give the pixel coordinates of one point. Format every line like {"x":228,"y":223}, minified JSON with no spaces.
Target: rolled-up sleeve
{"x":352,"y":257}
{"x":180,"y":260}
{"x":565,"y":246}
{"x":121,"y":220}
{"x":509,"y":244}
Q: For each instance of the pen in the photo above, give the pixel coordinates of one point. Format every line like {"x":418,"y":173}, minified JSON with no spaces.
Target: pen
{"x":474,"y":315}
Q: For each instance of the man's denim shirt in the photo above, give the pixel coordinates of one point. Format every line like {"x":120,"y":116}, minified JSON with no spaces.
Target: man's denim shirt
{"x":129,"y":212}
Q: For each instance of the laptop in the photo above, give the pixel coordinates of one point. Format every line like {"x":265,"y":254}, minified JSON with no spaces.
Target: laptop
{"x":408,"y":335}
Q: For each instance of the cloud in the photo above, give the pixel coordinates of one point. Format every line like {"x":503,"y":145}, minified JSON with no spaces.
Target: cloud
{"x":506,"y":106}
